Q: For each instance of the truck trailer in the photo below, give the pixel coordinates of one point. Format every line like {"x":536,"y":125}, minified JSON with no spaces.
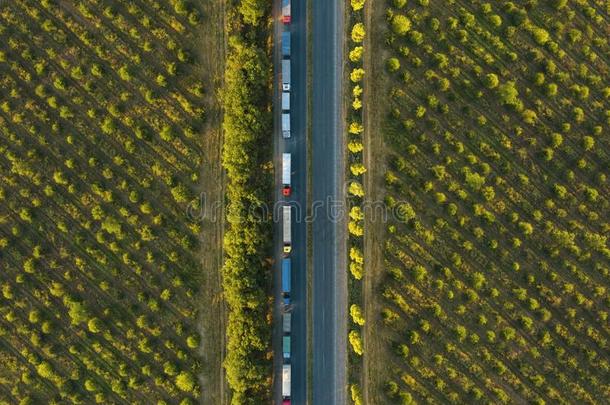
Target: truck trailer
{"x":286,"y":348}
{"x":286,"y":17}
{"x":286,"y":74}
{"x":286,"y":371}
{"x":286,"y":322}
{"x":286,"y":167}
{"x":285,"y":101}
{"x":286,"y":272}
{"x":285,"y":44}
{"x":286,"y":125}
{"x":287,"y":220}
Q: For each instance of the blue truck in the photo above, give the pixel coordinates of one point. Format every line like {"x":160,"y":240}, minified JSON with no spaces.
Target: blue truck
{"x":286,"y":269}
{"x":285,"y":44}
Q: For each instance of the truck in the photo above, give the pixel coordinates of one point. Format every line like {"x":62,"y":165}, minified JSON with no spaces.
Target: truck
{"x":286,"y":163}
{"x":285,"y":101}
{"x":287,"y":229}
{"x":285,"y":44}
{"x":286,"y":17}
{"x":286,"y":322}
{"x":286,"y":125}
{"x":286,"y":269}
{"x":286,"y":348}
{"x":286,"y":371}
{"x":285,"y":74}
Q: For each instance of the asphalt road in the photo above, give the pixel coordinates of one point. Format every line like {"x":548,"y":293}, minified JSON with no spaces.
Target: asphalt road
{"x":297,"y":146}
{"x":329,"y":295}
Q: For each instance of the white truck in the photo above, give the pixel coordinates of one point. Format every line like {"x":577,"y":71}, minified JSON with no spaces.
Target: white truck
{"x":286,"y":171}
{"x":286,"y":371}
{"x":286,"y":125}
{"x":286,"y":74}
{"x":287,"y":231}
{"x":285,"y":101}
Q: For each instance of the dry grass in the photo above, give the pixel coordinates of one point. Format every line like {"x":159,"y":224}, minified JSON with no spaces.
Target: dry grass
{"x":213,"y":312}
{"x":375,"y":88}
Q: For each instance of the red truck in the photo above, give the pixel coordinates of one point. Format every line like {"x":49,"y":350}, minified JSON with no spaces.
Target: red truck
{"x":286,"y":11}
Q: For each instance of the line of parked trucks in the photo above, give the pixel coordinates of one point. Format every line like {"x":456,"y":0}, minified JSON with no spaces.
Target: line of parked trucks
{"x":286,"y":210}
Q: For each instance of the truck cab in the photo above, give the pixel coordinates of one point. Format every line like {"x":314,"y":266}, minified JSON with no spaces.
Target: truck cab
{"x":286,"y":14}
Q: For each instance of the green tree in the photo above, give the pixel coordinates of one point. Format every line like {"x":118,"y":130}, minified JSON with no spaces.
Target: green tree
{"x":401,"y":24}
{"x":253,"y":11}
{"x":185,"y":381}
{"x":356,"y":314}
{"x":356,"y":342}
{"x":95,"y":325}
{"x":491,"y":80}
{"x":357,"y":4}
{"x":508,"y":93}
{"x":358,"y":32}
{"x":393,"y":64}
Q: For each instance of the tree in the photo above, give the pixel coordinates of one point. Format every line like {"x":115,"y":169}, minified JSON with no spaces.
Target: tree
{"x":95,"y":325}
{"x":405,"y":212}
{"x":180,"y":7}
{"x":90,"y":385}
{"x":356,"y":342}
{"x":180,"y":193}
{"x":185,"y":381}
{"x":357,"y":169}
{"x":252,"y":11}
{"x":357,"y":4}
{"x":356,"y":75}
{"x":356,"y":269}
{"x":356,"y":314}
{"x":355,"y":229}
{"x":77,"y":311}
{"x":192,"y":341}
{"x":393,"y":64}
{"x":474,"y":180}
{"x":401,"y":24}
{"x":356,"y":255}
{"x":588,"y":142}
{"x":355,"y":55}
{"x":356,"y":189}
{"x":541,"y":36}
{"x":491,"y":80}
{"x":358,"y":32}
{"x":508,"y":93}
{"x":124,"y":73}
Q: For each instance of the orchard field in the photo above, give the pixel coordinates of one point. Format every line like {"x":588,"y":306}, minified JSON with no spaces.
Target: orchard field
{"x":491,"y":285}
{"x":101,"y":123}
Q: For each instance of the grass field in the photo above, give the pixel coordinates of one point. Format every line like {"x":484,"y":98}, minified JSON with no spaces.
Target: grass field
{"x":102,"y":112}
{"x":491,"y":281}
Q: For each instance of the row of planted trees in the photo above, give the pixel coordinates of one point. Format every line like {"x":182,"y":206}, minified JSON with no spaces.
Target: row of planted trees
{"x":498,"y":267}
{"x":247,"y":146}
{"x":98,"y":272}
{"x":356,"y":196}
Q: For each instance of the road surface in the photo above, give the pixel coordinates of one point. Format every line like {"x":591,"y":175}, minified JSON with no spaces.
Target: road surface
{"x":297,"y":145}
{"x":329,"y":295}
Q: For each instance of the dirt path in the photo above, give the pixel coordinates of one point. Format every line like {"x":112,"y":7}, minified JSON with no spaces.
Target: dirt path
{"x":375,"y":162}
{"x":211,"y":53}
